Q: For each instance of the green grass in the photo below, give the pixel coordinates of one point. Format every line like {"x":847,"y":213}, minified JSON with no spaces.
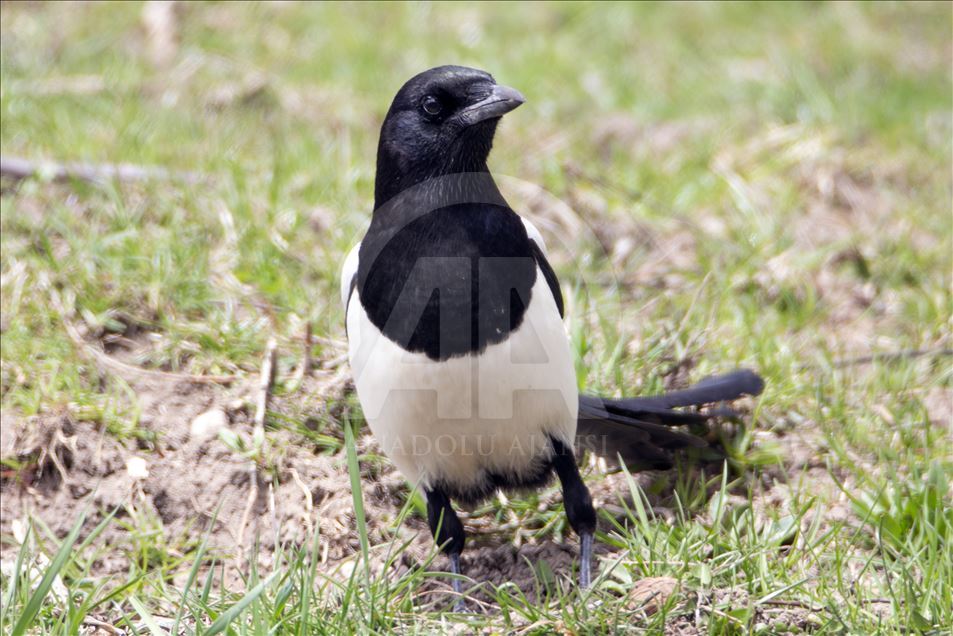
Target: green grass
{"x":782,"y":171}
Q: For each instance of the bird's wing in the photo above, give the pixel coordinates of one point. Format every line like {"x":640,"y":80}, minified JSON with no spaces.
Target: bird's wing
{"x":534,"y":234}
{"x":539,"y":254}
{"x":349,"y":275}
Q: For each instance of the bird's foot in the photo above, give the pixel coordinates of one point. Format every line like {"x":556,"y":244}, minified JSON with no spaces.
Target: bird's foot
{"x":585,"y":560}
{"x":459,"y":605}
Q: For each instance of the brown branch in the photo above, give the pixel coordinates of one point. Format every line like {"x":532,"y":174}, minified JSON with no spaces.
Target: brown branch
{"x":297,"y":380}
{"x":306,"y":354}
{"x":18,"y":168}
{"x":886,"y":356}
{"x":107,"y":363}
{"x":337,"y":345}
{"x":103,"y":625}
{"x":575,"y":171}
{"x":123,"y":370}
{"x":308,"y":499}
{"x":268,"y":369}
{"x":800,"y":604}
{"x":63,"y":85}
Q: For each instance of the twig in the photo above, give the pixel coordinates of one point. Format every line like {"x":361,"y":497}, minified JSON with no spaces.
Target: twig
{"x":305,"y":367}
{"x":269,"y":367}
{"x":161,"y":23}
{"x":338,"y":380}
{"x":109,"y":627}
{"x":267,"y":381}
{"x":108,"y":363}
{"x":18,"y":168}
{"x":249,"y":504}
{"x":329,"y":342}
{"x":308,"y":499}
{"x":335,"y":362}
{"x":887,"y":356}
{"x":785,"y":603}
{"x":121,"y":368}
{"x":306,"y":356}
{"x":574,"y":171}
{"x":273,"y":514}
{"x":64,"y":85}
{"x":469,"y":598}
{"x":698,"y":611}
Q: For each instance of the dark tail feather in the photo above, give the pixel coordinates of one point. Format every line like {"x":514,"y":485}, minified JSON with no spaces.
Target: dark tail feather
{"x":638,"y":428}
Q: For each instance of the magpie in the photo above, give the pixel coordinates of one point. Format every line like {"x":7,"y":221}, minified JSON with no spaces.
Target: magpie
{"x":454,"y":319}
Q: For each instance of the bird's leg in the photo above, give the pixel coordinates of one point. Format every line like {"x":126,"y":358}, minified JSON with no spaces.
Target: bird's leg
{"x":585,"y":559}
{"x":449,"y":535}
{"x":578,"y":503}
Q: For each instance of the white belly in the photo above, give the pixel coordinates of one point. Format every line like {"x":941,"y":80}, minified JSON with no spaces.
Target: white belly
{"x":453,"y":421}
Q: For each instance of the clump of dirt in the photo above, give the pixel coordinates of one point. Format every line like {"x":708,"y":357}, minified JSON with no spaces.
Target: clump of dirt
{"x":780,"y":618}
{"x":61,"y":466}
{"x":58,"y":467}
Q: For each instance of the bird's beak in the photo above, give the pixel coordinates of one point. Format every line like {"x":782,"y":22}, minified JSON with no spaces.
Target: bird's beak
{"x":500,"y":101}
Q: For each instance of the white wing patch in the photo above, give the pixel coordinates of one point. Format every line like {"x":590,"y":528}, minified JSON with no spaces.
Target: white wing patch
{"x":534,"y":234}
{"x":348,"y":270}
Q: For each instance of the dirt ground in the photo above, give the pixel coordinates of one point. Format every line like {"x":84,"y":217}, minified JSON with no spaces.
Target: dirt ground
{"x":183,"y":476}
{"x":187,"y":477}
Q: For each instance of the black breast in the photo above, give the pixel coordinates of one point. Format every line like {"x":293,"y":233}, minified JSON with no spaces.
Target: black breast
{"x":449,"y":282}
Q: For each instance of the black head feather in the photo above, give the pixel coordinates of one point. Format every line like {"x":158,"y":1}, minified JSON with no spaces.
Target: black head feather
{"x":441,"y":122}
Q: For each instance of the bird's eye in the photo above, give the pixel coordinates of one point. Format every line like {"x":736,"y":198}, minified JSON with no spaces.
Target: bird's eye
{"x":431,"y":105}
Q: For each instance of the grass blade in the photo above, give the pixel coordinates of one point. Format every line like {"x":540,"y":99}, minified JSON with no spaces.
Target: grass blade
{"x":193,"y":572}
{"x":307,"y":583}
{"x":146,"y":617}
{"x":354,"y":470}
{"x":232,"y":612}
{"x":12,"y":591}
{"x":36,"y":600}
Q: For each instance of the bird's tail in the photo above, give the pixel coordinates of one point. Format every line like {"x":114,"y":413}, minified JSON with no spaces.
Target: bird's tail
{"x":640,"y":429}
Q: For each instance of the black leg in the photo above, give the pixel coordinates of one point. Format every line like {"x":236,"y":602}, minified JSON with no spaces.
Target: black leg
{"x":578,"y":503}
{"x":448,"y":532}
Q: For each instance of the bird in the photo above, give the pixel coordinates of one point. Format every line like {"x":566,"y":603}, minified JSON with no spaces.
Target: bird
{"x":455,"y":326}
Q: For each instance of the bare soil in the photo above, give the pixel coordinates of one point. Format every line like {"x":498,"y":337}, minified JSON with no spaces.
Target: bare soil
{"x":184,"y":480}
{"x":191,"y":484}
{"x":196,"y":485}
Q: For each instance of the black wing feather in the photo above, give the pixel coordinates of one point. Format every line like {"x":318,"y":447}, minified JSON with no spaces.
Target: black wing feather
{"x":549,"y":275}
{"x":638,"y":429}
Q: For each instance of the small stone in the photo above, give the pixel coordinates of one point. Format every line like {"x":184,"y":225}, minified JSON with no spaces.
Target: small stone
{"x":207,"y":425}
{"x":137,"y":468}
{"x":650,"y":594}
{"x":346,"y":570}
{"x":19,"y":528}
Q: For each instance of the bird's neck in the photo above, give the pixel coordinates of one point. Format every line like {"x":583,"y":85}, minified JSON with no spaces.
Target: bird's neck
{"x":426,"y":191}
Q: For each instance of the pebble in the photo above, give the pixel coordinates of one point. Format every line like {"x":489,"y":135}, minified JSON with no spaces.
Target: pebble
{"x":137,"y":468}
{"x":207,"y":425}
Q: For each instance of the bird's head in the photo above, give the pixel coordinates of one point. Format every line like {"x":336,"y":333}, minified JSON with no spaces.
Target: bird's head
{"x":441,"y":122}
